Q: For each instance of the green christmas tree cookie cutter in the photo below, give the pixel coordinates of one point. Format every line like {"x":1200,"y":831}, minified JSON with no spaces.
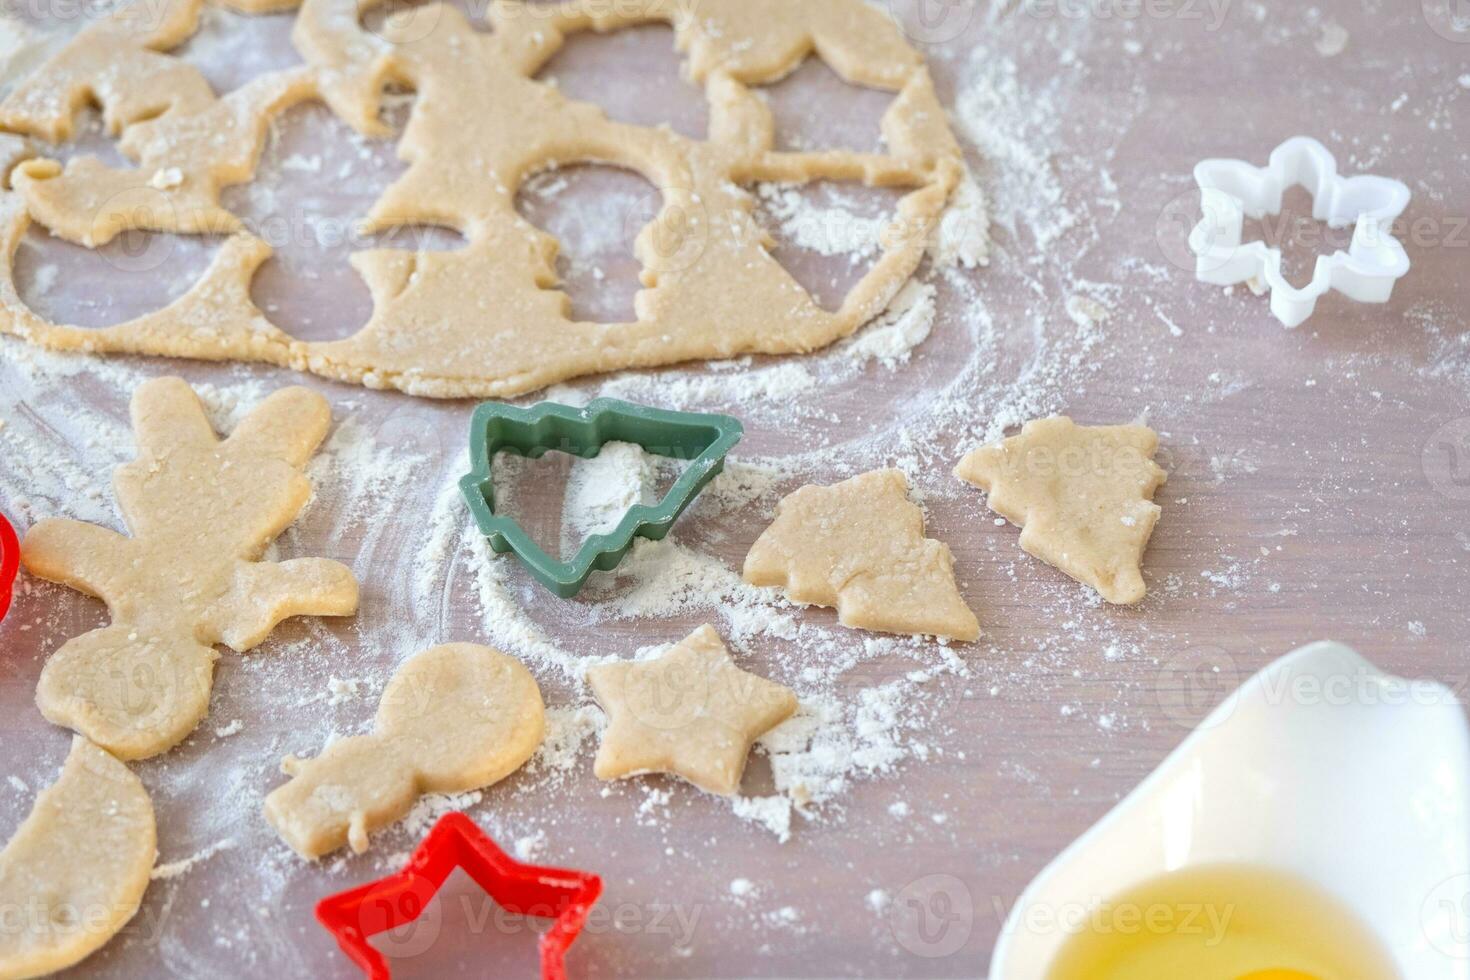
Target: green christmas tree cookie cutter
{"x":532,"y":432}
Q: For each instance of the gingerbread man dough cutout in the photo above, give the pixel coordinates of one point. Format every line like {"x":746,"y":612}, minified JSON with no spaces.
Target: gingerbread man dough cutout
{"x":1082,"y":494}
{"x":859,"y":545}
{"x":454,"y":718}
{"x":201,"y":512}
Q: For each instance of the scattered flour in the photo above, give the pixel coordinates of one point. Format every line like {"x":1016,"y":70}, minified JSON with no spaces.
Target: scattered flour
{"x":964,"y":230}
{"x":45,"y":278}
{"x":175,"y":868}
{"x":342,"y":689}
{"x":602,"y":489}
{"x":1013,"y":127}
{"x":860,"y":717}
{"x":814,"y":757}
{"x":824,"y":230}
{"x":429,"y":808}
{"x":903,"y":326}
{"x":569,"y":729}
{"x":870,"y":705}
{"x":1333,"y":41}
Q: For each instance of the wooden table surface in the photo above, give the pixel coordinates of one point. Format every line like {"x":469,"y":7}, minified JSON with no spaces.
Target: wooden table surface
{"x":1319,"y":487}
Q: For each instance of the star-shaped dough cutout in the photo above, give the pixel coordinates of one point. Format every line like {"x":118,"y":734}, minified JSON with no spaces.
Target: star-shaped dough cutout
{"x":690,"y":712}
{"x":859,"y":545}
{"x":1083,"y":495}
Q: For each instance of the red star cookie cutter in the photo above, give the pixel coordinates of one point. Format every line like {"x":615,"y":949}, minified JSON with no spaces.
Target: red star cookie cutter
{"x":456,"y":842}
{"x":9,"y":563}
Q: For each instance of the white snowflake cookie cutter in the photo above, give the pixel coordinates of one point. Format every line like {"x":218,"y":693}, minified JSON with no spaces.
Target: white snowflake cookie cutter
{"x":1232,"y":190}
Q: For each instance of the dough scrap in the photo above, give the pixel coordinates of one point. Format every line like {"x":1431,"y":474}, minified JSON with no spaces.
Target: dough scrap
{"x":486,"y":319}
{"x":859,"y":545}
{"x":14,"y":150}
{"x":690,"y":712}
{"x":453,"y":718}
{"x":1083,"y":495}
{"x":76,"y":869}
{"x":201,"y":512}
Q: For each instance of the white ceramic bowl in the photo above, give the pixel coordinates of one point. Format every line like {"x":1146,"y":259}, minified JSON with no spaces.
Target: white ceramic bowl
{"x":1321,"y":766}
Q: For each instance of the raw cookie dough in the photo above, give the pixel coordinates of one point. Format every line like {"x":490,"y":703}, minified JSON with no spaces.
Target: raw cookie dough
{"x":454,"y":718}
{"x":75,"y":871}
{"x":1083,"y":495}
{"x":14,"y":150}
{"x":486,"y":319}
{"x":859,"y":545}
{"x":691,"y":712}
{"x":201,"y":512}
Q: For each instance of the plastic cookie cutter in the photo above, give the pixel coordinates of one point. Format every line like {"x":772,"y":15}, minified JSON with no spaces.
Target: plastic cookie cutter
{"x":9,"y":563}
{"x":1231,"y":190}
{"x":534,"y":431}
{"x":456,"y":842}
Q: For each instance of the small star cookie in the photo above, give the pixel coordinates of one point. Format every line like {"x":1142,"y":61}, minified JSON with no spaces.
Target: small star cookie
{"x":1082,"y":494}
{"x":691,"y":712}
{"x":859,"y":545}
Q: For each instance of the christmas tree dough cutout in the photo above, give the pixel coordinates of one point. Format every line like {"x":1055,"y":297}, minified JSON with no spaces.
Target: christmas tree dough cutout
{"x":77,"y":867}
{"x":201,"y":512}
{"x":453,"y":718}
{"x":1083,"y":496}
{"x":859,"y":545}
{"x":690,"y":712}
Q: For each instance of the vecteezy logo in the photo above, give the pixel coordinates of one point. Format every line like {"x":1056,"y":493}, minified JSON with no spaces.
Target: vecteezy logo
{"x":668,"y":699}
{"x":1445,"y":917}
{"x":1450,"y":19}
{"x":1446,"y":459}
{"x":1172,"y":229}
{"x":133,"y":224}
{"x":407,"y":939}
{"x":932,"y":916}
{"x":934,"y":21}
{"x":669,"y":229}
{"x":1190,"y":685}
{"x":404,"y":21}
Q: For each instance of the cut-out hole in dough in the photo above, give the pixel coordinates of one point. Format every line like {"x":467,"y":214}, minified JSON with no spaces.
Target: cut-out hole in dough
{"x":561,"y":500}
{"x":828,"y":234}
{"x":137,"y":273}
{"x":134,"y":274}
{"x":89,"y":139}
{"x":595,"y":213}
{"x":316,"y":181}
{"x":230,"y":49}
{"x":814,"y":109}
{"x":635,"y":76}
